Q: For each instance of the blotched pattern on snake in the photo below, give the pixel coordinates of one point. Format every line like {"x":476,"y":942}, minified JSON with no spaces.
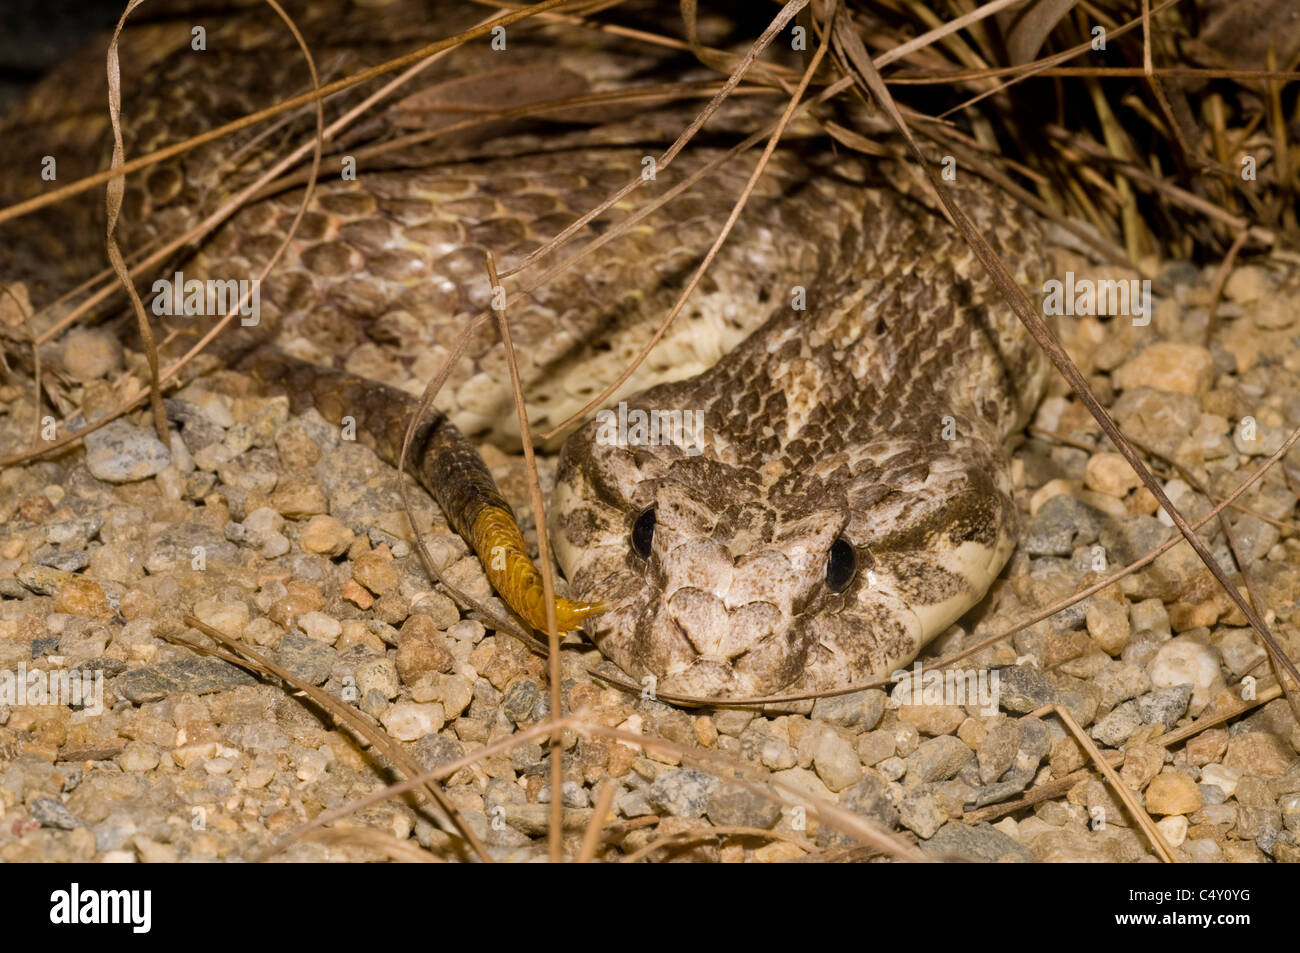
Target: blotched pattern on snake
{"x":806,"y":481}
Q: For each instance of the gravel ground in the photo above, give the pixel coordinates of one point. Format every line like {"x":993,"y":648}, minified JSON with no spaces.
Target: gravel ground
{"x":269,"y":528}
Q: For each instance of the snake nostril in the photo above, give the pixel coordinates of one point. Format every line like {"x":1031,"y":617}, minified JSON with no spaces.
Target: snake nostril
{"x":643,"y":532}
{"x":841,"y":565}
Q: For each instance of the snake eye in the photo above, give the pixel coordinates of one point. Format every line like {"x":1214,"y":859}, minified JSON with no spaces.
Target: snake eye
{"x":643,"y":532}
{"x":841,"y":565}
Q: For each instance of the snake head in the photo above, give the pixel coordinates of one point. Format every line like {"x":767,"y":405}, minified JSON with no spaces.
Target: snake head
{"x":726,"y":581}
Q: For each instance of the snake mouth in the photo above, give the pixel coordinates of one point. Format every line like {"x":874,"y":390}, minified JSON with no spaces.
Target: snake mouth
{"x":704,"y":677}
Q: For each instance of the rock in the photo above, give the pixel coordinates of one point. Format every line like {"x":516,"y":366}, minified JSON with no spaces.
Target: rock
{"x":1173,"y":793}
{"x":1024,"y":688}
{"x":573,"y":794}
{"x":981,"y":843}
{"x":731,"y":806}
{"x":229,"y":616}
{"x":297,"y":498}
{"x":520,"y":701}
{"x":1066,"y":755}
{"x":309,"y":659}
{"x":84,"y":597}
{"x":1165,"y":707}
{"x":759,"y":742}
{"x":733,"y":721}
{"x":121,"y":452}
{"x":433,"y":751}
{"x":1167,"y":366}
{"x":1061,"y":524}
{"x":1108,"y":625}
{"x":1158,"y":418}
{"x":321,"y":627}
{"x":326,"y":536}
{"x":932,"y":719}
{"x":1173,"y":829}
{"x":90,"y":353}
{"x":1150,"y":619}
{"x":860,"y":710}
{"x":835,"y":761}
{"x":1111,"y":474}
{"x":454,"y":691}
{"x":920,"y":813}
{"x":1260,"y":753}
{"x":48,"y":812}
{"x":375,"y":571}
{"x":1241,"y":653}
{"x":870,"y":798}
{"x":997,"y":753}
{"x":68,"y":560}
{"x":199,"y":676}
{"x":410,"y":721}
{"x":1141,"y":764}
{"x":421,"y":650}
{"x":1203,"y":851}
{"x":1119,"y":682}
{"x":1248,"y":283}
{"x":1289,"y":805}
{"x":1207,"y":747}
{"x":891,"y":769}
{"x":378,"y":674}
{"x":1259,"y":823}
{"x":937,"y":760}
{"x":1113,"y":730}
{"x":1275,"y":312}
{"x":682,"y":792}
{"x":1180,"y":661}
{"x":875,"y":746}
{"x":138,"y":757}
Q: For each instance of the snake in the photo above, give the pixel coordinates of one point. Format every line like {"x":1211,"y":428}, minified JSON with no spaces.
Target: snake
{"x":806,"y":480}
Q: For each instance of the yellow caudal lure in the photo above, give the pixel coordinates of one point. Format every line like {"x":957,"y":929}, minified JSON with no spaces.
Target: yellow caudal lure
{"x":500,"y":546}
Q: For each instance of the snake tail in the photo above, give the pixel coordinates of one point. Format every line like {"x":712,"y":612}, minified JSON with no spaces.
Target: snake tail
{"x":446,"y":464}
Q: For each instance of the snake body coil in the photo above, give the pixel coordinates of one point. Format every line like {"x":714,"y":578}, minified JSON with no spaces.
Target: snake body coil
{"x":807,"y":480}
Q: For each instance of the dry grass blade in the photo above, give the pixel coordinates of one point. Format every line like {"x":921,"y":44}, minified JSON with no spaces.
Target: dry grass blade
{"x":25,"y":313}
{"x":379,"y":842}
{"x":543,"y":557}
{"x":758,"y":782}
{"x":1220,"y":280}
{"x":591,"y":837}
{"x":347,"y":715}
{"x":1121,"y":789}
{"x":786,"y":14}
{"x":412,"y":782}
{"x":681,"y":838}
{"x":203,"y":228}
{"x":1061,"y":785}
{"x":114,"y":191}
{"x":693,"y":282}
{"x":1018,"y":74}
{"x":135,"y":165}
{"x":1277,"y":657}
{"x":727,"y":769}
